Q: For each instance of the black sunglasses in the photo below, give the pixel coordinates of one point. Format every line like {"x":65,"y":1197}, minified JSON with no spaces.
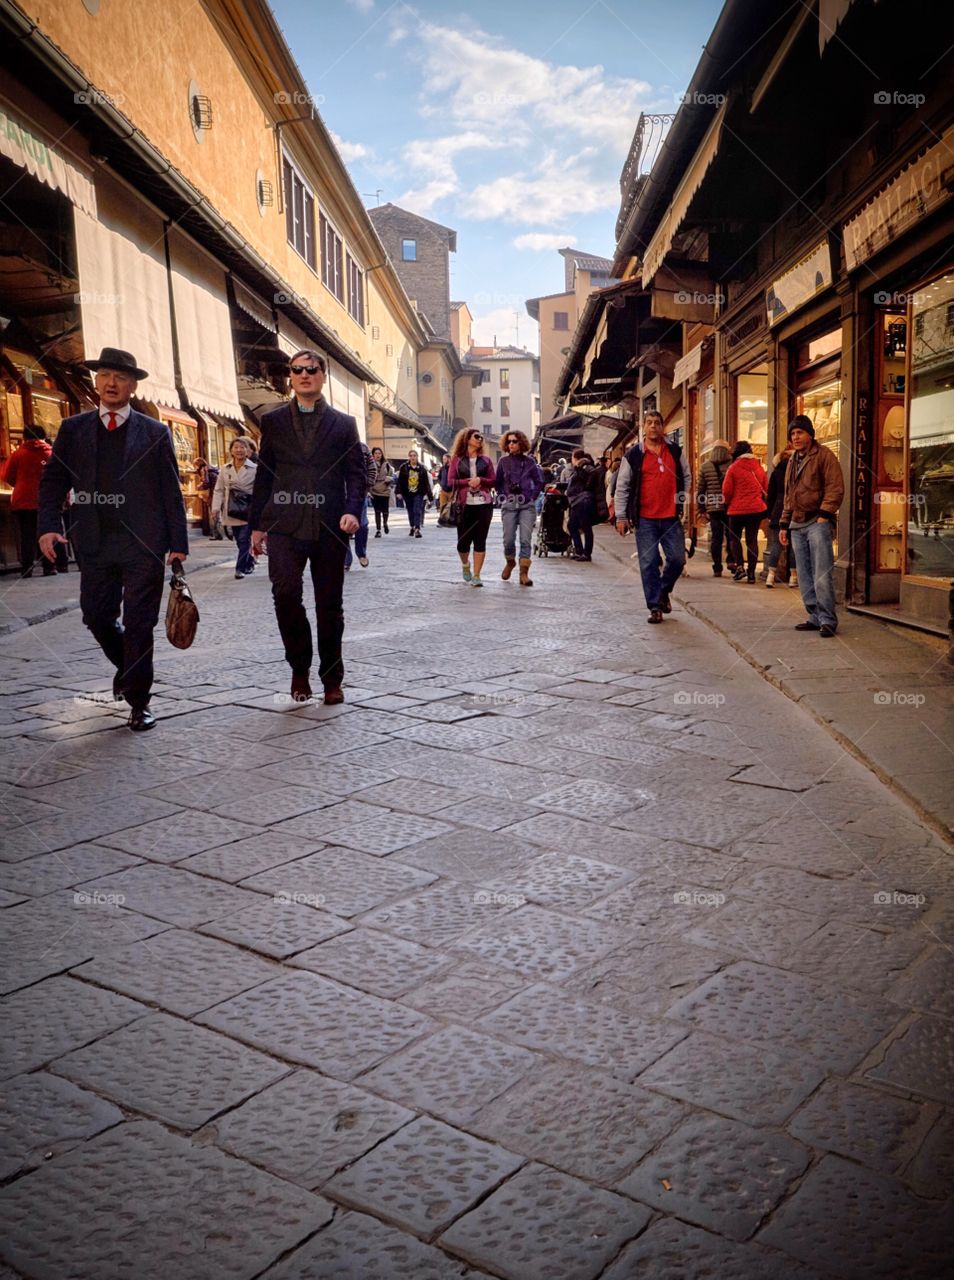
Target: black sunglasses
{"x":310,"y":369}
{"x":476,"y":436}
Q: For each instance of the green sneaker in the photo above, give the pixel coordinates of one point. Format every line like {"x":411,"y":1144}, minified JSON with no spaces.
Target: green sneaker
{"x":466,"y":573}
{"x":476,"y":582}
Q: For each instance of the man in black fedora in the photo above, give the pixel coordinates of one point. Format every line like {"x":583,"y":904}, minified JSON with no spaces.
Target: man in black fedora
{"x":127,"y":516}
{"x":310,"y":487}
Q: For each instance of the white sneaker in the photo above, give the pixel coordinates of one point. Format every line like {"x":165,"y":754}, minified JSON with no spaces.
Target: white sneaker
{"x":770,"y":578}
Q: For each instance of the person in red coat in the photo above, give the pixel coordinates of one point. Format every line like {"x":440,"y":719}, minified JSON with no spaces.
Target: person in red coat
{"x":23,"y":470}
{"x":744,"y":489}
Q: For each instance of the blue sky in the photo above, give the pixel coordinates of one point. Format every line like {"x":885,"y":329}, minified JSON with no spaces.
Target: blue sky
{"x":509,"y":123}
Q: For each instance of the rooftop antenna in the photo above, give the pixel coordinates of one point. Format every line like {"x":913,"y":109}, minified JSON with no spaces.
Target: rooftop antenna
{"x":516,"y":328}
{"x":377,"y":195}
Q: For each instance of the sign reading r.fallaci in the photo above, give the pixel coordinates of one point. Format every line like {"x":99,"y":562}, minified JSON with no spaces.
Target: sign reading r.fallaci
{"x":31,"y":152}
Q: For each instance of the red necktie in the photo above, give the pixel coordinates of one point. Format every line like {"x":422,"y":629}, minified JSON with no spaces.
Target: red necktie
{"x":112,"y":424}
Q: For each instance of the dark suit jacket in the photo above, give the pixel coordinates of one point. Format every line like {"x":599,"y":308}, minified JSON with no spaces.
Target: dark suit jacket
{"x":296,"y":493}
{"x":153,"y":510}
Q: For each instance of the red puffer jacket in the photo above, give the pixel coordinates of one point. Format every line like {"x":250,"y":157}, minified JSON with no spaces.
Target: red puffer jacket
{"x":23,"y":470}
{"x":745,"y":486}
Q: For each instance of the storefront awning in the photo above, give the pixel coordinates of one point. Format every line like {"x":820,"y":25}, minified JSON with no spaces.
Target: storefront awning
{"x":124,"y":285}
{"x":253,"y":305}
{"x":21,"y":142}
{"x":203,"y":328}
{"x":292,"y":339}
{"x":687,"y":366}
{"x":668,"y":229}
{"x":831,"y":14}
{"x":811,"y":275}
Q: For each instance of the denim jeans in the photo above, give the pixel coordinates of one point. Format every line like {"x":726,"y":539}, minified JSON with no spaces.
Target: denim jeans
{"x":773,"y":550}
{"x":814,"y":562}
{"x":415,"y":510}
{"x":245,"y":561}
{"x":653,"y":537}
{"x":360,"y":539}
{"x":513,"y":518}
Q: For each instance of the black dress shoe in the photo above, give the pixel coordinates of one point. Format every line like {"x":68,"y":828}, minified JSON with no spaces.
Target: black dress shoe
{"x":827,"y":632}
{"x":807,"y":626}
{"x":118,"y":695}
{"x":655,"y":615}
{"x":333,"y":695}
{"x":665,"y":603}
{"x":141,"y":719}
{"x":300,"y":687}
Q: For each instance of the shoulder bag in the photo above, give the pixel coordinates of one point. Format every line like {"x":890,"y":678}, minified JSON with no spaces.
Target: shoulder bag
{"x":182,"y":612}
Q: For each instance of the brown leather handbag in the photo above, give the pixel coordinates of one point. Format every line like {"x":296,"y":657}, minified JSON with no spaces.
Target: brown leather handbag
{"x":182,"y":612}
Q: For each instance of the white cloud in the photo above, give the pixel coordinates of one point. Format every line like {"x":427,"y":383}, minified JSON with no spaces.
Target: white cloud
{"x":423,"y":199}
{"x":362,"y":6}
{"x":349,"y":151}
{"x":566,"y":129}
{"x":537,"y":240}
{"x":508,"y":329}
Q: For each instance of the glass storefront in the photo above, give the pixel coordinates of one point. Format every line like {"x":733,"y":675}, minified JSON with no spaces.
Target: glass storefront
{"x":930,"y":467}
{"x":751,"y":410}
{"x":818,"y":388}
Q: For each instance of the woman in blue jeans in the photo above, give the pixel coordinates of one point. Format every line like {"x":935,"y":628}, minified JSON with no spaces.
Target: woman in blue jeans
{"x":519,"y":483}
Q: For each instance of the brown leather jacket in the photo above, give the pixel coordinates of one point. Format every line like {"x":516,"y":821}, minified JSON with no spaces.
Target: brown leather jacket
{"x":818,"y":490}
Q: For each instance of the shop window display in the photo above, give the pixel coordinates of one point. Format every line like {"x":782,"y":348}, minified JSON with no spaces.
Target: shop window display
{"x":751,"y":403}
{"x":930,"y":470}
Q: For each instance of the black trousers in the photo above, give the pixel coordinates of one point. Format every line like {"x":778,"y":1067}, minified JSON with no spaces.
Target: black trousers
{"x":747,"y":527}
{"x":29,"y":547}
{"x":123,"y":577}
{"x":325,"y":557}
{"x":380,"y":503}
{"x":475,"y":521}
{"x":719,"y":530}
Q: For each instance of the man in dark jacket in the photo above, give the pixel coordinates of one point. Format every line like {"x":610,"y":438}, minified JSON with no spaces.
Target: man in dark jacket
{"x":814,"y":490}
{"x":127,"y":516}
{"x":414,"y":486}
{"x":652,"y":489}
{"x":310,"y":486}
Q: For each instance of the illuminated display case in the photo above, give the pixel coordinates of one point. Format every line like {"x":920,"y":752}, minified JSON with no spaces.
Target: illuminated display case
{"x":890,"y":503}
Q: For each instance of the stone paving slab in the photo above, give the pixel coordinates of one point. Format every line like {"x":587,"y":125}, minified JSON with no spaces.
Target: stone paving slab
{"x":58,"y":1015}
{"x":138,"y":1166}
{"x":246,"y":858}
{"x":673,"y":1250}
{"x":452,"y":1073}
{"x":50,"y":871}
{"x":375,"y":962}
{"x":424,"y":1176}
{"x":586,"y":1123}
{"x":308,"y":1019}
{"x":536,"y":943}
{"x":919,"y":1061}
{"x":859,"y":1223}
{"x":738,"y":1080}
{"x":178,"y":971}
{"x":718,"y":1174}
{"x":183,"y":834}
{"x":774,"y":1010}
{"x":356,"y":1245}
{"x":345,"y":882}
{"x":42,"y":1115}
{"x":307,"y":1127}
{"x":277,"y":926}
{"x":545,"y":1225}
{"x":171,"y":895}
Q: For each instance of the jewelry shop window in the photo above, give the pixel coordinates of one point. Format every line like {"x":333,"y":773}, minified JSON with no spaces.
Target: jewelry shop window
{"x":930,"y":469}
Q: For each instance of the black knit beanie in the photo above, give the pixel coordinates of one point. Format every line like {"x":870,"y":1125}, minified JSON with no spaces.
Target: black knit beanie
{"x":801,"y":423}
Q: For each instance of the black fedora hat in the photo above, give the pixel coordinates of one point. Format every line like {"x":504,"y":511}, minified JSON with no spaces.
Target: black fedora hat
{"x":121,"y":361}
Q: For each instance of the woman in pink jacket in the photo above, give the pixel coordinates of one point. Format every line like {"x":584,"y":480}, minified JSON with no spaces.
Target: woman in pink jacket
{"x":744,"y":489}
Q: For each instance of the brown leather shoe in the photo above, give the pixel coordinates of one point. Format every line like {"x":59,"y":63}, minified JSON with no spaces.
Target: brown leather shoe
{"x":300,"y":688}
{"x":333,"y":695}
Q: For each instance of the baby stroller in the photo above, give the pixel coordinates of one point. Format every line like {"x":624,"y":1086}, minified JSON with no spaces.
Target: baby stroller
{"x":551,"y":527}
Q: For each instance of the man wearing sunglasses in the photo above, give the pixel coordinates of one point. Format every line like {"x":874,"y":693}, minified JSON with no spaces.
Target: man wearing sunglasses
{"x":310,"y":487}
{"x":651,"y":491}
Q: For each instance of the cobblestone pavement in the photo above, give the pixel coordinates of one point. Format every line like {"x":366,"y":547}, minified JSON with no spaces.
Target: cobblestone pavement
{"x":568,"y":947}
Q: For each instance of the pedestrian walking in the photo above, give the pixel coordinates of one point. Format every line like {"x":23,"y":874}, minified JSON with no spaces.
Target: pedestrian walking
{"x":309,"y":488}
{"x":652,"y":489}
{"x":444,"y":495}
{"x":610,"y":483}
{"x":744,"y":490}
{"x":585,"y":477}
{"x":414,"y":485}
{"x":775,"y":560}
{"x":710,"y":503}
{"x":381,"y":487}
{"x":519,"y":482}
{"x":472,"y":477}
{"x":814,"y":491}
{"x":22,"y":472}
{"x":231,"y":502}
{"x":128,"y":515}
{"x":361,"y":537}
